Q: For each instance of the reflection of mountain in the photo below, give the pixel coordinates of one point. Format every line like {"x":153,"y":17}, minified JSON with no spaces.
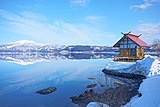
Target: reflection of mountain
{"x":31,"y":58}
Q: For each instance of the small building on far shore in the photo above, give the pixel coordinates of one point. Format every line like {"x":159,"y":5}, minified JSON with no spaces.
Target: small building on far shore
{"x":131,"y":48}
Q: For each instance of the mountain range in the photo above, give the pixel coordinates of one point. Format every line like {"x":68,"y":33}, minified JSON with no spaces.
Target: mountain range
{"x":26,"y":52}
{"x":30,"y":46}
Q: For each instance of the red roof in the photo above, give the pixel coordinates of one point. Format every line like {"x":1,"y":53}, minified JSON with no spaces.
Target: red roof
{"x":135,"y":39}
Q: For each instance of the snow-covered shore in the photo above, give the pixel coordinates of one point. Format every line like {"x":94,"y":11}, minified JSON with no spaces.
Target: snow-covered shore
{"x":149,"y":66}
{"x":150,"y":87}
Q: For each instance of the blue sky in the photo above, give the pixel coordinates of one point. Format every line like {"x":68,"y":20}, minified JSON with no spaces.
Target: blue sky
{"x":87,"y":22}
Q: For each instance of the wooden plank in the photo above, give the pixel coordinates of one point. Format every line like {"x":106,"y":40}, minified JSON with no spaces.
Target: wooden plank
{"x":142,"y":52}
{"x":127,"y":59}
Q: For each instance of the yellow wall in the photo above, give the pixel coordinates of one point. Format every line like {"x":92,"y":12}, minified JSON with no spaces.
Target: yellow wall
{"x":140,"y":53}
{"x":126,"y":53}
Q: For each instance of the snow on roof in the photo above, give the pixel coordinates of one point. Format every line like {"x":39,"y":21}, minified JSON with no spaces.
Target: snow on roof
{"x":134,"y":38}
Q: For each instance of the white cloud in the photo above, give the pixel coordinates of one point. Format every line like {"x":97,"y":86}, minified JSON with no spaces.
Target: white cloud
{"x":33,"y":25}
{"x":81,"y":3}
{"x":94,"y":19}
{"x":146,"y":4}
{"x":149,"y":31}
{"x":31,"y":7}
{"x":142,"y":6}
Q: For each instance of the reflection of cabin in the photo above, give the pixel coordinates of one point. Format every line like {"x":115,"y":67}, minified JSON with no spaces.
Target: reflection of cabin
{"x":131,"y":48}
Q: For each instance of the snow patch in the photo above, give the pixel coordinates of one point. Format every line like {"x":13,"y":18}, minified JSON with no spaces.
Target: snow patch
{"x":149,"y":66}
{"x":22,"y":42}
{"x":150,"y":89}
{"x":97,"y":104}
{"x":118,"y":65}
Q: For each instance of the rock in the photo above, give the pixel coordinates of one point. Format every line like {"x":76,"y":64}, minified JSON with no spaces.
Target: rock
{"x":47,"y":90}
{"x":86,"y":92}
{"x":116,"y":83}
{"x":139,"y":94}
{"x":81,"y":95}
{"x":75,"y":99}
{"x":113,"y":97}
{"x":102,"y":85}
{"x":91,"y":85}
{"x":123,"y":75}
{"x":92,"y":78}
{"x":91,"y":90}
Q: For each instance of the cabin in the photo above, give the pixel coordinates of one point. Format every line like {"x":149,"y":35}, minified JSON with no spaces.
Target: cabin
{"x":131,"y":48}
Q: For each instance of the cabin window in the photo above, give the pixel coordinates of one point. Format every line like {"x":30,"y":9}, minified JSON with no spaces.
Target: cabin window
{"x":129,"y":45}
{"x":132,"y":45}
{"x":123,"y":46}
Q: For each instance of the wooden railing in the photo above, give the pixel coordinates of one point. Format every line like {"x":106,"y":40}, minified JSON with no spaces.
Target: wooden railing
{"x":126,"y":59}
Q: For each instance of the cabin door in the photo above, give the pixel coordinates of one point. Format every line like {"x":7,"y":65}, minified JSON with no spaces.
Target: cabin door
{"x":133,"y":52}
{"x":128,"y":53}
{"x":125,"y":52}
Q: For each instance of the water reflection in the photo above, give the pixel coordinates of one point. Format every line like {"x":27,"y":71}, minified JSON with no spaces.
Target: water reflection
{"x":31,"y":58}
{"x":68,"y":77}
{"x":117,"y":92}
{"x":18,"y":84}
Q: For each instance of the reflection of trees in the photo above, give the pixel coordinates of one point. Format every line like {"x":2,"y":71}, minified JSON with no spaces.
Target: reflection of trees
{"x":118,"y":91}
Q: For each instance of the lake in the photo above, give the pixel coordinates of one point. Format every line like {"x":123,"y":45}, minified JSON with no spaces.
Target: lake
{"x":18,"y":83}
{"x":76,"y":80}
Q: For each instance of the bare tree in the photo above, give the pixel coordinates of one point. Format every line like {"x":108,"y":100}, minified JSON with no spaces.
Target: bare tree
{"x":156,"y":45}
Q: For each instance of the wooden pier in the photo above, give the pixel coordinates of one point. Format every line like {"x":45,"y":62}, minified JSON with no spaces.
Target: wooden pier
{"x":127,"y":59}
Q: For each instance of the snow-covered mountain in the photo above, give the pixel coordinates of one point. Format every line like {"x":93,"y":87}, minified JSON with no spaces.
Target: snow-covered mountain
{"x":22,"y":42}
{"x":29,"y":46}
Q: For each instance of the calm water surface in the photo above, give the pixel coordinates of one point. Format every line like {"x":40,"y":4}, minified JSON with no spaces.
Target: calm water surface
{"x":18,"y":83}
